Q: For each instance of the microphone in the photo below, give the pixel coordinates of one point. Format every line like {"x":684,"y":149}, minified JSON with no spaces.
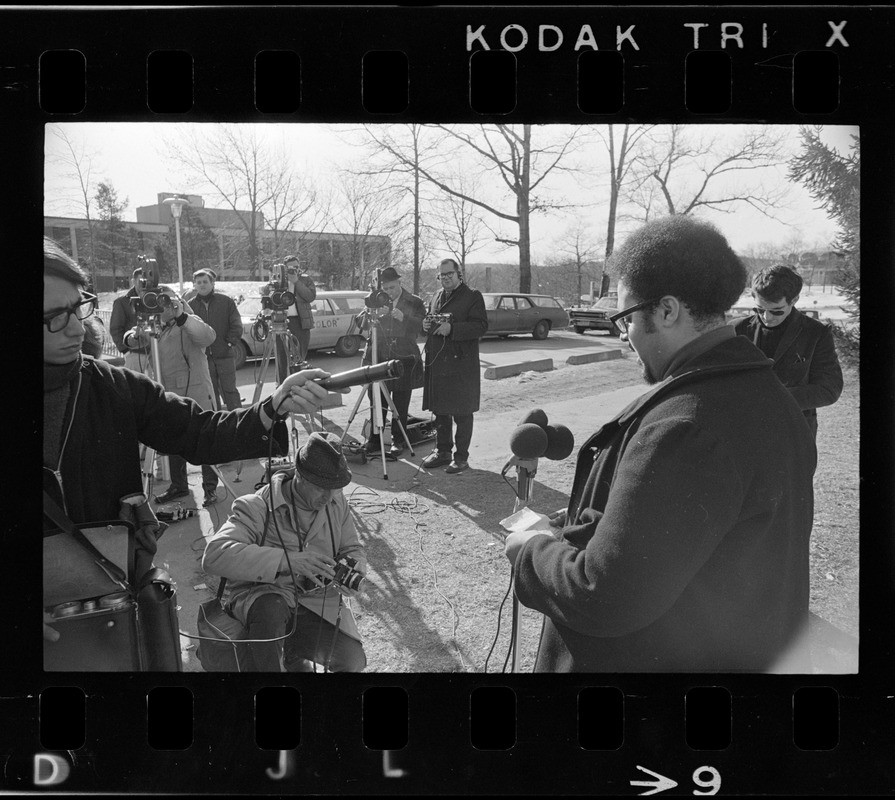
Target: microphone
{"x":367,"y":374}
{"x":529,"y":440}
{"x":560,"y":442}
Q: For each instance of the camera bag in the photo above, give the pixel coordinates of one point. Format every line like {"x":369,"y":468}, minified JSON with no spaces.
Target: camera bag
{"x":115,"y":626}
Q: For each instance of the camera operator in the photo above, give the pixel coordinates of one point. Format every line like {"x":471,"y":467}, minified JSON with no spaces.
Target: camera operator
{"x":292,"y":530}
{"x":300,"y":315}
{"x":124,"y":318}
{"x":400,"y":322}
{"x":684,"y":547}
{"x":220,"y":312}
{"x":453,"y":379}
{"x":181,"y":344}
{"x":96,"y":415}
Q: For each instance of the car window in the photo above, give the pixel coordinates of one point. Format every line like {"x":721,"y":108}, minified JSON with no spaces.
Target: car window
{"x":491,"y":300}
{"x":523,"y":303}
{"x":321,"y":307}
{"x":606,"y":302}
{"x":347,"y":305}
{"x":507,"y":304}
{"x":547,"y":302}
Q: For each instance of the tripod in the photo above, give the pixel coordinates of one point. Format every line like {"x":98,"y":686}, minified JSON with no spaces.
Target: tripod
{"x":279,"y":334}
{"x":378,"y":391}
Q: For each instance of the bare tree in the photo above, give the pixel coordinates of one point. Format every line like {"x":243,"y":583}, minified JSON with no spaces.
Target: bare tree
{"x":398,"y":154}
{"x":578,"y":250}
{"x":622,"y":147}
{"x":78,"y":164}
{"x":456,"y":222}
{"x":695,"y":170}
{"x":507,"y":152}
{"x":112,"y":236}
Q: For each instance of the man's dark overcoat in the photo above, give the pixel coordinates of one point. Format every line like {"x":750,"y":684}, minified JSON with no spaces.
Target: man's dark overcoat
{"x":686,"y":547}
{"x":453,"y":380}
{"x":805,"y":361}
{"x":398,"y":340}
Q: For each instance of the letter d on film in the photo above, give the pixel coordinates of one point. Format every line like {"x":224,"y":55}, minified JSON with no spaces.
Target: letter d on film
{"x":49,"y":770}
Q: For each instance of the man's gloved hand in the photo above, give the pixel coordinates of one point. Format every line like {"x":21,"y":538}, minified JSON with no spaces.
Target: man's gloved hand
{"x":136,"y":339}
{"x":557,"y":518}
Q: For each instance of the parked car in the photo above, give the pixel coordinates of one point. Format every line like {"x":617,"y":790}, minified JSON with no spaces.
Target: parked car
{"x":334,"y":323}
{"x":595,"y":317}
{"x":510,"y":312}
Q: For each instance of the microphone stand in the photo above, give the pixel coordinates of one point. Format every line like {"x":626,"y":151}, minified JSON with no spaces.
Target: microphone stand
{"x":526,"y":469}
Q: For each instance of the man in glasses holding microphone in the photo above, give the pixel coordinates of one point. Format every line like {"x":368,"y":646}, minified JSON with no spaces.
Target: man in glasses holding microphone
{"x":684,"y":547}
{"x":802,"y":348}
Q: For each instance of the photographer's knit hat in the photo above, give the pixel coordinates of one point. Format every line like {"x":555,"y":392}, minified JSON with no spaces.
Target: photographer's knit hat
{"x":321,"y":462}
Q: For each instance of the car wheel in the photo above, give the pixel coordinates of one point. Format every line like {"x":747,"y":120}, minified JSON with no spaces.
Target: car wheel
{"x":541,"y":330}
{"x":580,"y":329}
{"x":240,"y":355}
{"x":347,"y":346}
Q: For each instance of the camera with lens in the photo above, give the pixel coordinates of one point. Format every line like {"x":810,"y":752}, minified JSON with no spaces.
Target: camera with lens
{"x":346,"y":575}
{"x":275,"y":296}
{"x":149,"y":299}
{"x":377,"y":299}
{"x":434,"y":320}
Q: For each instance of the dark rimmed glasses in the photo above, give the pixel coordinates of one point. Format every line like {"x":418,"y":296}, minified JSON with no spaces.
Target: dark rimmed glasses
{"x":774,"y":312}
{"x":58,"y":320}
{"x":620,"y":319}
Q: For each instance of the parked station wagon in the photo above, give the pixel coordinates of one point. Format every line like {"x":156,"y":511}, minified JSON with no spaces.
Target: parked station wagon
{"x":536,"y":314}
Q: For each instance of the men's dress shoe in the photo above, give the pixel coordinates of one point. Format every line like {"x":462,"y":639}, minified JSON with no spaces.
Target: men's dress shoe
{"x":457,"y":466}
{"x":211,"y":497}
{"x":395,"y":450}
{"x":436,"y":459}
{"x":170,"y":494}
{"x":371,"y":447}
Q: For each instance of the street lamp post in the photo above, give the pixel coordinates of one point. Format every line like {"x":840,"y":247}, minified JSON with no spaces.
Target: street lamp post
{"x":177,"y":204}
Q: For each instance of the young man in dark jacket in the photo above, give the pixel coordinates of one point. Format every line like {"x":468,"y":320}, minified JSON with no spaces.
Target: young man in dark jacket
{"x":220,"y":312}
{"x":802,"y":348}
{"x":453,"y":378}
{"x":97,"y":415}
{"x":685,"y":543}
{"x":136,"y":355}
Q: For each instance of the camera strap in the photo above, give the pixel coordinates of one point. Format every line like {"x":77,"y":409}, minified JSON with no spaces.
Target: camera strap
{"x":60,"y":518}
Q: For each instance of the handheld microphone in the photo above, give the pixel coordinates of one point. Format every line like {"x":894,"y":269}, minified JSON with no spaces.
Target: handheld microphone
{"x":361,"y":375}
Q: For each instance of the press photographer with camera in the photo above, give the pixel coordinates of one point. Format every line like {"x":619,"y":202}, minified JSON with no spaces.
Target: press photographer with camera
{"x":281,"y":550}
{"x":399,"y":315}
{"x":182,"y":340}
{"x":96,"y":416}
{"x":299,"y":315}
{"x":452,"y":386}
{"x":124,"y":318}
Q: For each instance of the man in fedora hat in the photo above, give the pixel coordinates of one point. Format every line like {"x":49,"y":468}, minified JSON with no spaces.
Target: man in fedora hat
{"x":279,"y":550}
{"x":400,"y":323}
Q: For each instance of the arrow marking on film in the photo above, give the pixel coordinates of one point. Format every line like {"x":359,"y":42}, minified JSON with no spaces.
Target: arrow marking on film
{"x":661,"y":784}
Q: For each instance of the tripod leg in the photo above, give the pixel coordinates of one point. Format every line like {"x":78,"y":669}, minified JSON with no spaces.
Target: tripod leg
{"x":376,"y":388}
{"x":396,"y":417}
{"x":269,"y":346}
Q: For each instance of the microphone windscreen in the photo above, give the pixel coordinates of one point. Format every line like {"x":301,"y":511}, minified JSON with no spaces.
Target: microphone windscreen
{"x":528,"y":441}
{"x":536,"y":416}
{"x":560,"y":442}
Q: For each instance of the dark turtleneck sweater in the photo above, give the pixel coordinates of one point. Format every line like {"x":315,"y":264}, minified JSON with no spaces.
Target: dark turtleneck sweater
{"x":57,"y":392}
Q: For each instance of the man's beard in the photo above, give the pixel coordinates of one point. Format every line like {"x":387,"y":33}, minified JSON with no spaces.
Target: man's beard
{"x":645,"y":373}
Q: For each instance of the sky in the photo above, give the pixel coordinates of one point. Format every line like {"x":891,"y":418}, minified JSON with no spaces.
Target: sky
{"x":132,"y":157}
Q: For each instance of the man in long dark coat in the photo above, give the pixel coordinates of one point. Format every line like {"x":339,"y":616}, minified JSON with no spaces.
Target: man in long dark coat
{"x":453,"y":379}
{"x":802,"y":348}
{"x":685,"y":543}
{"x":399,"y":325}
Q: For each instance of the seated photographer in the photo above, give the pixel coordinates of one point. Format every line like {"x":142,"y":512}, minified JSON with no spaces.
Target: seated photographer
{"x":400,"y":322}
{"x":277,"y":548}
{"x":96,"y":415}
{"x":183,"y":338}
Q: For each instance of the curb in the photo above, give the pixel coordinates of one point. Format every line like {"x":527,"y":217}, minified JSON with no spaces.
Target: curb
{"x":587,"y":358}
{"x":509,"y":370}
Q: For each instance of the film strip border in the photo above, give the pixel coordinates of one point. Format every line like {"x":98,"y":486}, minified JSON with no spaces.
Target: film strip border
{"x":492,"y":738}
{"x":386,"y":64}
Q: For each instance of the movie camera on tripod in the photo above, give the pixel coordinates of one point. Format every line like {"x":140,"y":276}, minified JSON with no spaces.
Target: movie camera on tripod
{"x":149,"y":300}
{"x":378,"y":301}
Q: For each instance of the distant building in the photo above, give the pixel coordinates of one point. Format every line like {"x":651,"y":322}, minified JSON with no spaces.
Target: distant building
{"x":323,"y":254}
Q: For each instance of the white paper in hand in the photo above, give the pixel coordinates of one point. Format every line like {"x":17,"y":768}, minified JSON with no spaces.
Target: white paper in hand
{"x":526,"y":520}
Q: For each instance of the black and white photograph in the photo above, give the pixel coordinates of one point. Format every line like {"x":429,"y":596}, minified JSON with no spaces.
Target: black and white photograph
{"x":505,"y":360}
{"x":671,"y":499}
